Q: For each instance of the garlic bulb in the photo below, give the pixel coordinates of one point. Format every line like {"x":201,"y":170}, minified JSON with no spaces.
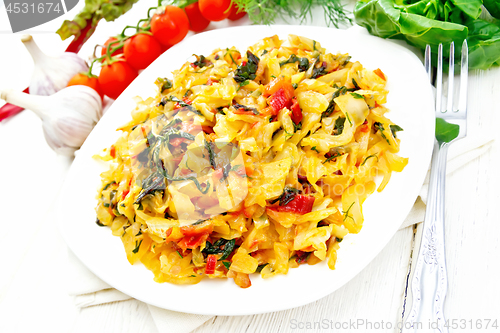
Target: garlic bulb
{"x":51,"y":74}
{"x":67,"y":117}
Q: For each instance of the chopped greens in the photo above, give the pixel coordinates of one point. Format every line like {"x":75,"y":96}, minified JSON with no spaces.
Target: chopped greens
{"x":137,"y":246}
{"x":288,"y":195}
{"x":163,"y":84}
{"x":368,"y":157}
{"x":246,"y":108}
{"x":201,"y":61}
{"x":319,"y":71}
{"x":328,"y":159}
{"x":248,"y":70}
{"x":380,"y":127}
{"x":215,"y":248}
{"x":339,"y":125}
{"x":395,"y":129}
{"x":211,"y":155}
{"x":303,"y":62}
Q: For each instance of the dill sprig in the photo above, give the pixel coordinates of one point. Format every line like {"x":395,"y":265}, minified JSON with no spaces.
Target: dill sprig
{"x":266,"y":11}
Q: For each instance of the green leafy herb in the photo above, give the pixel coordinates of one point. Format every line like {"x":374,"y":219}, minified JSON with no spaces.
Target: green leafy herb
{"x":99,"y":223}
{"x":295,"y":85}
{"x":357,"y":96}
{"x":288,"y":195}
{"x":328,"y":159}
{"x":297,"y":127}
{"x":368,"y":157}
{"x":226,"y":264}
{"x":247,"y":71}
{"x":246,"y":108}
{"x":209,"y":146}
{"x":201,"y":61}
{"x":260,"y":267}
{"x":395,"y":129}
{"x":176,"y":100}
{"x":180,"y":255}
{"x":339,"y":125}
{"x":446,"y":132}
{"x":331,"y":106}
{"x":265,"y":12}
{"x":137,"y":246}
{"x":338,"y":239}
{"x":163,"y":84}
{"x":348,"y":118}
{"x":346,"y":214}
{"x":303,"y":62}
{"x":319,"y":71}
{"x":380,"y":127}
{"x":226,"y":250}
{"x":108,"y":185}
{"x":355,"y":84}
{"x":244,"y":83}
{"x":315,"y":149}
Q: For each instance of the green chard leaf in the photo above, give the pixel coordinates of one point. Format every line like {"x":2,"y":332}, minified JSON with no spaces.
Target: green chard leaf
{"x":446,"y":132}
{"x":394,"y":129}
{"x":247,"y":71}
{"x":92,"y":13}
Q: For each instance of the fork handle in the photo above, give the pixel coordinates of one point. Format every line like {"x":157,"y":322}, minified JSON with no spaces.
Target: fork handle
{"x":430,"y":281}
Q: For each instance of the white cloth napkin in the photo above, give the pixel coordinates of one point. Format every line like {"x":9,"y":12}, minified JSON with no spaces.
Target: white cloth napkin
{"x":88,"y":290}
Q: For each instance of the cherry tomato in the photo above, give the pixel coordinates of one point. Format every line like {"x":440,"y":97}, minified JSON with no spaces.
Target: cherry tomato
{"x":234,"y":15}
{"x":81,"y":79}
{"x":197,"y":22}
{"x":141,"y":50}
{"x":215,"y":10}
{"x":117,"y":52}
{"x":165,"y":48}
{"x":171,"y":26}
{"x":115,"y":77}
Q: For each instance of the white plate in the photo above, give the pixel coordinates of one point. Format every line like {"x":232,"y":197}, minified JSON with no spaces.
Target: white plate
{"x":410,"y":102}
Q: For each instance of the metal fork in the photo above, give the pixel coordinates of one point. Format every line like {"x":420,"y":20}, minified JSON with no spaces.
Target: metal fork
{"x":429,"y":282}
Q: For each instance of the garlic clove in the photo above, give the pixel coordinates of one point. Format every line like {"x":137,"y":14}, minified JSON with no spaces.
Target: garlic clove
{"x":68,"y":116}
{"x":51,"y":74}
{"x":87,"y":96}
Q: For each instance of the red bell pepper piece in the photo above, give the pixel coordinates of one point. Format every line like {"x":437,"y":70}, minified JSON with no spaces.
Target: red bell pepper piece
{"x":194,"y":235}
{"x":112,"y":151}
{"x":279,"y":100}
{"x":296,"y":111}
{"x":281,"y":93}
{"x":211,"y":262}
{"x":192,"y":242}
{"x":301,"y":204}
